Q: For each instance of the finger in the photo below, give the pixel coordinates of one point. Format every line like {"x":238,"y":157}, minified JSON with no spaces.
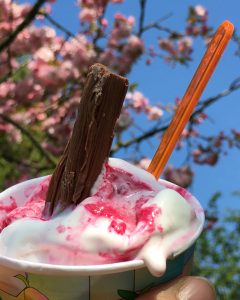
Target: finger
{"x":183,"y":288}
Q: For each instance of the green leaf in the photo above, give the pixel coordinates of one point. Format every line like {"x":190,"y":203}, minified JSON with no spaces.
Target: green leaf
{"x":133,"y":87}
{"x":20,"y":73}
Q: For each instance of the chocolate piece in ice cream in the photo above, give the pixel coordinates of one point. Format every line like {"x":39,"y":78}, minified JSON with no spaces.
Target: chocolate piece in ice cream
{"x":90,"y":143}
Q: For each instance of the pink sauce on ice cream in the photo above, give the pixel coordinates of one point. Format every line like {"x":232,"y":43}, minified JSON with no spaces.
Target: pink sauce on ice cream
{"x":129,"y":215}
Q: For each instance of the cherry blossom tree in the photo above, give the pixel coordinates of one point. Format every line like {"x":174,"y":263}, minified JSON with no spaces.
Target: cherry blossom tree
{"x":42,"y":74}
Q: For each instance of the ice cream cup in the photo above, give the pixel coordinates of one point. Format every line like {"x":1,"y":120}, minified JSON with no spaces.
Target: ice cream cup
{"x":124,"y":280}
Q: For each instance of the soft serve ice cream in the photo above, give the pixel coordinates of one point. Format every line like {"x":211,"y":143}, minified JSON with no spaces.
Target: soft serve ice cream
{"x":129,"y":215}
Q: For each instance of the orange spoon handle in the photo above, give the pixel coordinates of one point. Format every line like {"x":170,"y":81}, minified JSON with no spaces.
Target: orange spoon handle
{"x":191,"y":97}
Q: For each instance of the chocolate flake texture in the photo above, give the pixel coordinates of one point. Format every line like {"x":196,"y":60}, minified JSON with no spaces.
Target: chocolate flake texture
{"x":89,"y":146}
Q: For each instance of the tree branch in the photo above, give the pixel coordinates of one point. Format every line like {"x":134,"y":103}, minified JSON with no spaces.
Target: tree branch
{"x":142,"y":16}
{"x":155,"y":25}
{"x":58,"y":25}
{"x":27,"y":20}
{"x":138,"y":139}
{"x":99,"y":33}
{"x":30,"y":165}
{"x":202,"y":106}
{"x":9,"y":54}
{"x":236,"y":39}
{"x":31,"y":138}
{"x":142,"y":28}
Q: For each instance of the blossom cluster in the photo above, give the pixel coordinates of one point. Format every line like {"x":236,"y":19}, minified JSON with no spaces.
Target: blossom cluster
{"x":177,"y":47}
{"x":197,"y":21}
{"x":177,"y":50}
{"x":92,"y":10}
{"x":123,"y":47}
{"x":139,"y":103}
{"x":42,"y":75}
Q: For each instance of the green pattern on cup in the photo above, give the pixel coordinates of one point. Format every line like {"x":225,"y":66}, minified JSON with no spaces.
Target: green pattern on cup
{"x":174,"y":268}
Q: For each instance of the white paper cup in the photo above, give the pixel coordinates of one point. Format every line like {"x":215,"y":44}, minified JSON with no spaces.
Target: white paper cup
{"x":23,"y":280}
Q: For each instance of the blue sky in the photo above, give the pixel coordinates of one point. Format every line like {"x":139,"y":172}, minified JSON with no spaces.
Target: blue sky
{"x":161,"y":82}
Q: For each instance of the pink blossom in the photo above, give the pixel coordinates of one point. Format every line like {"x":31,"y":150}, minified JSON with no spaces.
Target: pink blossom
{"x":200,"y":118}
{"x":210,"y":158}
{"x":67,"y":71}
{"x":47,"y":8}
{"x":17,"y":11}
{"x":122,"y":29}
{"x":27,"y":90}
{"x":144,"y":163}
{"x":25,"y":9}
{"x":148,"y":62}
{"x":121,"y":65}
{"x":207,"y":155}
{"x":4,"y":64}
{"x":42,"y":35}
{"x":185,"y":44}
{"x":181,"y":176}
{"x":33,"y":114}
{"x":131,"y":50}
{"x":134,"y":46}
{"x":189,"y":133}
{"x":13,"y":135}
{"x":167,"y":45}
{"x":138,"y":101}
{"x":193,"y":30}
{"x":185,"y":133}
{"x":131,"y":21}
{"x":120,"y":17}
{"x":179,"y":50}
{"x":61,"y":121}
{"x":79,"y":51}
{"x":114,"y":62}
{"x":7,"y":90}
{"x":4,"y":127}
{"x":104,"y":22}
{"x":197,"y":21}
{"x":5,"y":27}
{"x":236,"y":134}
{"x":106,"y":57}
{"x":154,"y":113}
{"x":197,"y":152}
{"x":88,"y":15}
{"x":201,"y":12}
{"x":124,"y":121}
{"x":45,"y":54}
{"x":49,"y":123}
{"x":117,"y":1}
{"x":91,"y":10}
{"x":32,"y":38}
{"x":85,"y":2}
{"x":44,"y":73}
{"x":8,"y":106}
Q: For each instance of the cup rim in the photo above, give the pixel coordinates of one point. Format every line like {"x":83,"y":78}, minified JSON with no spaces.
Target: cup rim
{"x":44,"y":268}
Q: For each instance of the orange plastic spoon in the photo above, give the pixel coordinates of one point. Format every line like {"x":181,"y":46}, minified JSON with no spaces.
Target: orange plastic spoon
{"x":191,"y":96}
